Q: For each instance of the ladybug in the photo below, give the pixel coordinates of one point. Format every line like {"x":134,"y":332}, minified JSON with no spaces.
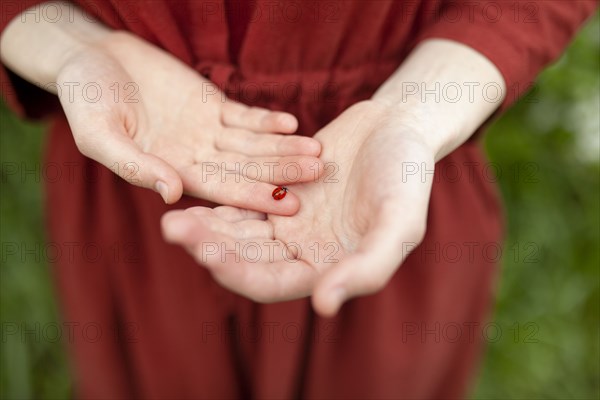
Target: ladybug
{"x":279,"y":192}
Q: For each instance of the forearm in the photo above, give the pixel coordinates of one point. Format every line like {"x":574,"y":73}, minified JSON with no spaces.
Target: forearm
{"x":36,"y":49}
{"x":449,"y":88}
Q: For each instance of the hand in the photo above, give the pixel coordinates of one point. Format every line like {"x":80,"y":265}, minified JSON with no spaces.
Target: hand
{"x":159,"y":124}
{"x":354,"y":227}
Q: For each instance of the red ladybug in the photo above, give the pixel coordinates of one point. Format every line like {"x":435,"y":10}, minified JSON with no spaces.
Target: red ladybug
{"x":279,"y":192}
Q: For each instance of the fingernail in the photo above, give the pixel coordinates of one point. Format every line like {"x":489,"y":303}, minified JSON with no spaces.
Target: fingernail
{"x":163,"y":189}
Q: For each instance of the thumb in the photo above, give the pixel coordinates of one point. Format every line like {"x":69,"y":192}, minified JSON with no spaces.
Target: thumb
{"x":368,"y":270}
{"x":122,"y":155}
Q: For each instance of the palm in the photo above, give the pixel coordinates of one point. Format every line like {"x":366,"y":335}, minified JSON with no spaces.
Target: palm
{"x":179,"y":125}
{"x":356,"y":216}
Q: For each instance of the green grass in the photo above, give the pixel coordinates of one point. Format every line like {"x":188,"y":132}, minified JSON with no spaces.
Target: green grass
{"x":554,"y":299}
{"x":31,"y":367}
{"x":558,"y":213}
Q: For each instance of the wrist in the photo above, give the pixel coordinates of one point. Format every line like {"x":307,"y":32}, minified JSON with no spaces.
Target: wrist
{"x":444,"y":85}
{"x":39,"y":50}
{"x":420,"y":122}
{"x":101,"y":49}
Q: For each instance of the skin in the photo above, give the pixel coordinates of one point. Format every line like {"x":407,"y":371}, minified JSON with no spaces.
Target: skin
{"x":367,"y":220}
{"x":166,"y":127}
{"x":363,"y":220}
{"x":358,"y":215}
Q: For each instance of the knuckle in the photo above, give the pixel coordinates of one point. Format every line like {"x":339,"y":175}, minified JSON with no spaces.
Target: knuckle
{"x":253,"y":192}
{"x":259,"y":114}
{"x":240,"y":196}
{"x":210,"y":189}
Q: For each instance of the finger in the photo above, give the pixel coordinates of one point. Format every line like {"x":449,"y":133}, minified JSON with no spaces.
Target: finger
{"x":367,"y":271}
{"x":251,"y":272}
{"x":236,"y":190}
{"x":234,"y":214}
{"x":119,"y":153}
{"x":275,"y":170}
{"x":192,"y":227}
{"x":258,"y":119}
{"x":267,"y":144}
{"x":248,"y":228}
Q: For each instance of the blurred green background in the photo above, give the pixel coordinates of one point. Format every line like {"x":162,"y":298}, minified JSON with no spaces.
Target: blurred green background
{"x":548,"y":309}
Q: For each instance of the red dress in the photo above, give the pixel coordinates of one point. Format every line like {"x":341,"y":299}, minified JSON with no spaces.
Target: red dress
{"x":150,"y":323}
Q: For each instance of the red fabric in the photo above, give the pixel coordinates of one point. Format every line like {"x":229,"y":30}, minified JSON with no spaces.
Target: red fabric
{"x":24,"y":98}
{"x":183,"y":336}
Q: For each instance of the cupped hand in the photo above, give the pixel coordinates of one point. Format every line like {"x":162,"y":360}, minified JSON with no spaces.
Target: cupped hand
{"x":355,"y":226}
{"x":159,"y":124}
